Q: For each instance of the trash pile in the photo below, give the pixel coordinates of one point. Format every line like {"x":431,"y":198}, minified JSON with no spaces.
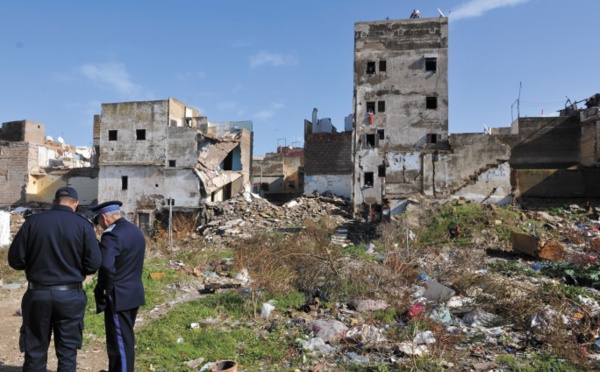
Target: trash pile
{"x":466,"y":305}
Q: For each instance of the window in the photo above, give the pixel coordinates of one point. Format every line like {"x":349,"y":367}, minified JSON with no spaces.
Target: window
{"x":432,"y":138}
{"x":382,"y":66}
{"x":370,"y":140}
{"x":368,"y":179}
{"x":431,"y":64}
{"x":264,"y":186}
{"x":124,"y":182}
{"x":370,"y":68}
{"x":172,"y":163}
{"x":292,"y":185}
{"x":381,"y":106}
{"x":371,"y":107}
{"x":140,"y":134}
{"x":381,"y":134}
{"x":431,"y":103}
{"x":381,"y":170}
{"x":112,"y":135}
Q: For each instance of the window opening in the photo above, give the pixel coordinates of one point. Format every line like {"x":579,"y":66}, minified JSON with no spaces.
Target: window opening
{"x":368,"y":179}
{"x":172,"y":163}
{"x":381,"y":134}
{"x":140,"y":134}
{"x":292,"y":185}
{"x":431,"y":103}
{"x":432,"y":138}
{"x":381,"y":170}
{"x":382,"y":66}
{"x":124,"y":182}
{"x":112,"y":135}
{"x":370,"y":68}
{"x":371,"y":107}
{"x":370,"y":140}
{"x":431,"y":64}
{"x":381,"y":106}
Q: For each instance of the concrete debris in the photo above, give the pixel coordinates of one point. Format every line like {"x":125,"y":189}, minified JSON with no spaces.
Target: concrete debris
{"x":316,"y":345}
{"x":329,"y":330}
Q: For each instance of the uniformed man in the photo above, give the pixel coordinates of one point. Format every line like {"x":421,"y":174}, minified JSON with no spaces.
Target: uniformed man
{"x":57,"y":249}
{"x":120,"y":291}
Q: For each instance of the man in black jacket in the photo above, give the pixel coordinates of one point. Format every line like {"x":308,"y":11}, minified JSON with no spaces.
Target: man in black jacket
{"x":120,"y":291}
{"x":57,"y":249}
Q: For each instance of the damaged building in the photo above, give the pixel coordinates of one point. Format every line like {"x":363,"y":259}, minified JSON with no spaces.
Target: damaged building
{"x":154,"y":154}
{"x":279,"y":176}
{"x":33,"y":166}
{"x":328,"y":155}
{"x":401,"y":141}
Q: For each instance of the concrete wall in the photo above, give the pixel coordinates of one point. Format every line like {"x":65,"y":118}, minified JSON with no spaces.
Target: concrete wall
{"x":547,"y":142}
{"x":148,"y":187}
{"x":558,"y":183}
{"x":340,"y":185}
{"x":126,"y":118}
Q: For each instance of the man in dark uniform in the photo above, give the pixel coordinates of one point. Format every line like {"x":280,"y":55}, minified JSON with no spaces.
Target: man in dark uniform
{"x":120,"y":291}
{"x":57,"y":249}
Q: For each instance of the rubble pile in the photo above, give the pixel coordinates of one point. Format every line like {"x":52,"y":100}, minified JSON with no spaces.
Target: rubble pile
{"x":248,"y":214}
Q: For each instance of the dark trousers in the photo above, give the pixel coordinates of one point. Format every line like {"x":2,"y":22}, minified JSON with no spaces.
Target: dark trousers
{"x":120,"y":339}
{"x":46,"y":311}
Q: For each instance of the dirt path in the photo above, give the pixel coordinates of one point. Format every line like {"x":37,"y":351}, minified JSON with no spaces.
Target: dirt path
{"x":92,"y":357}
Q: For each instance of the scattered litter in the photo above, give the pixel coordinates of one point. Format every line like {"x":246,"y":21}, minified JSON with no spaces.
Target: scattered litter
{"x":266,"y":310}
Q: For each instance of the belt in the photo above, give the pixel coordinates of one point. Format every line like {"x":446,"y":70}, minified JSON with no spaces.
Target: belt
{"x":60,"y":287}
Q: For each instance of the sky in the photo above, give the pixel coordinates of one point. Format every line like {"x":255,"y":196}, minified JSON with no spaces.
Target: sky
{"x":272,"y":62}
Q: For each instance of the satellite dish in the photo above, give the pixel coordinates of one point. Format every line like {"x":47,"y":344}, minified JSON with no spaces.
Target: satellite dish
{"x":49,"y":138}
{"x":61,"y":140}
{"x":441,"y":13}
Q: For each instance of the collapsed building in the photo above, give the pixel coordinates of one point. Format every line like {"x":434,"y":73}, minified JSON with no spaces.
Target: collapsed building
{"x":33,"y":166}
{"x":163,"y":154}
{"x":279,"y":176}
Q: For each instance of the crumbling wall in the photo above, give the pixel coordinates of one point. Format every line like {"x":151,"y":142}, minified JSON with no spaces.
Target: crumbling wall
{"x":476,"y":168}
{"x":558,"y":183}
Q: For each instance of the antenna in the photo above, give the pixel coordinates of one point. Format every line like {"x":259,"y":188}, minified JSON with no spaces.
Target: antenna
{"x":441,"y":13}
{"x":61,"y":140}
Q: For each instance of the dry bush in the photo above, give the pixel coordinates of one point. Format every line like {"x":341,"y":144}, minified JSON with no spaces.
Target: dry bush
{"x":309,"y":262}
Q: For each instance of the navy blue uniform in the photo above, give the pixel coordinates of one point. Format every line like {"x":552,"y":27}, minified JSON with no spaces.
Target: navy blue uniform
{"x":57,"y":249}
{"x":120,"y":279}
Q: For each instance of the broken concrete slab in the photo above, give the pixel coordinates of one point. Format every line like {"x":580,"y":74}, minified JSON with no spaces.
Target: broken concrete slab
{"x":368,"y":305}
{"x":535,"y":247}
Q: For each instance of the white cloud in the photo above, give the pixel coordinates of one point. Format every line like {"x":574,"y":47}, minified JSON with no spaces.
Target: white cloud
{"x":268,"y":58}
{"x":476,"y":8}
{"x":112,"y":75}
{"x":270,"y":112}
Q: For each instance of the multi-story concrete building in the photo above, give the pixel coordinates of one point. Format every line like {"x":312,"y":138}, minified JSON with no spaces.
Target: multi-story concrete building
{"x":154,"y":154}
{"x":400,"y":105}
{"x":279,"y":176}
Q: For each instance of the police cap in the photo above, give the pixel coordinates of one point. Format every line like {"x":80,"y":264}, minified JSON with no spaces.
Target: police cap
{"x":102,"y":208}
{"x":66,"y":192}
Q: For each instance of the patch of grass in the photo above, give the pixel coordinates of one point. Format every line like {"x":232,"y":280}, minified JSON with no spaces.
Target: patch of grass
{"x":359,"y":252}
{"x":226,"y":338}
{"x":7,"y":273}
{"x":292,"y":300}
{"x":536,"y":363}
{"x":512,"y":268}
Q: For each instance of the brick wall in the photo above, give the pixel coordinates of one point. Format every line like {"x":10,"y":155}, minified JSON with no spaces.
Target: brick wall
{"x":328,"y":153}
